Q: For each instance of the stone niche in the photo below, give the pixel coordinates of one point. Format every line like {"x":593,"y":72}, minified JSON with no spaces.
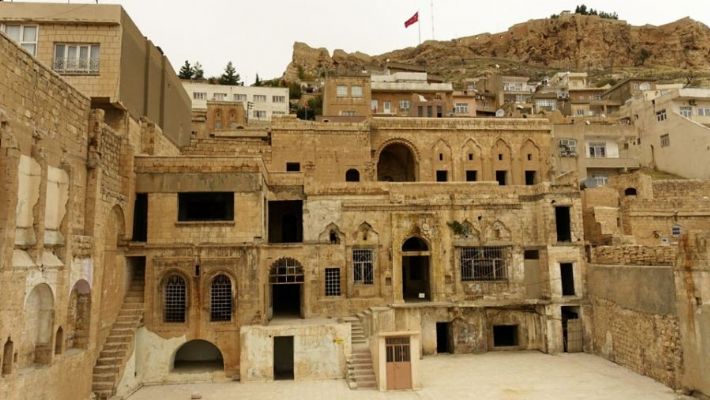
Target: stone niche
{"x":29,"y":178}
{"x":56,"y":205}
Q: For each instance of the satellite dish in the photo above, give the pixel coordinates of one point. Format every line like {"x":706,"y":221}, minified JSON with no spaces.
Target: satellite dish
{"x":500,"y":113}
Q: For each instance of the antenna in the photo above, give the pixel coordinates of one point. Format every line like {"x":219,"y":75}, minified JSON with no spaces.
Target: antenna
{"x":432,"y":19}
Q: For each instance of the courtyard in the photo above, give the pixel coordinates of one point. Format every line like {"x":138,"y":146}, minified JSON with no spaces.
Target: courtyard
{"x":490,"y":376}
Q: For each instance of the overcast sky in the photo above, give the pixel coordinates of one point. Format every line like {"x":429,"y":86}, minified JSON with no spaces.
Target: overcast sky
{"x":258,"y":35}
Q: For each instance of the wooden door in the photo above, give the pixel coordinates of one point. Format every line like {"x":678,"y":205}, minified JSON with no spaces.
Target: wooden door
{"x":574,"y":335}
{"x":399,"y":364}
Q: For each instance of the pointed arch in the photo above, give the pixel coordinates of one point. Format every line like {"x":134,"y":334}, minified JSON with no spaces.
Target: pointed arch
{"x":365,"y":233}
{"x":221,"y":298}
{"x":397,"y":161}
{"x":531,"y":162}
{"x":331,"y":234}
{"x":174,"y":288}
{"x":8,"y":354}
{"x":498,"y":231}
{"x":501,"y":162}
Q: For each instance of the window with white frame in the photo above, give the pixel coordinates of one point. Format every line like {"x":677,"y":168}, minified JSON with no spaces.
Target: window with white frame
{"x":341,"y":91}
{"x":521,"y":98}
{"x":483,"y":263}
{"x":546,"y":104}
{"x":461,"y":108}
{"x":74,"y":58}
{"x":356,"y":91}
{"x":597,"y":149}
{"x":665,"y":140}
{"x":661,"y":115}
{"x":362,"y":266}
{"x":199,"y":95}
{"x":686,"y":111}
{"x":704,"y":111}
{"x":219,"y":96}
{"x":24,"y":35}
{"x":373,"y":106}
{"x":404,"y":105}
{"x":600,"y":180}
{"x":259,"y":114}
{"x":348,"y":113}
{"x":240,"y":97}
{"x":278,"y":99}
{"x":332,"y":281}
{"x":259,"y":98}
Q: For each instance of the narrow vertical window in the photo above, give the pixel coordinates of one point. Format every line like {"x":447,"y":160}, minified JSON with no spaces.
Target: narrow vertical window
{"x":175,"y":299}
{"x":332,"y":281}
{"x":221,"y":299}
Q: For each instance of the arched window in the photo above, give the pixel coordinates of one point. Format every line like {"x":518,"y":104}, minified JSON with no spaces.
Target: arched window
{"x":7,"y":355}
{"x":396,"y":164}
{"x":78,"y":316}
{"x":58,"y":341}
{"x":352,"y":175}
{"x":415,"y":244}
{"x":221,"y":299}
{"x":175,"y":304}
{"x":630,"y":192}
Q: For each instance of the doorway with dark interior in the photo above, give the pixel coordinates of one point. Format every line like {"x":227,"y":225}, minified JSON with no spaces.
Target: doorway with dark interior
{"x":415,"y":270}
{"x":283,"y":358}
{"x":572,"y":340}
{"x":286,"y":279}
{"x":443,"y":338}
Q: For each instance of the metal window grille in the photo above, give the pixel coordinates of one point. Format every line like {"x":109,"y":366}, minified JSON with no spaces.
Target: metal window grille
{"x":174,"y":299}
{"x":483,"y":264}
{"x":398,"y":349}
{"x":332,"y":281}
{"x":285,"y":271}
{"x":362,"y":266}
{"x":221,"y":299}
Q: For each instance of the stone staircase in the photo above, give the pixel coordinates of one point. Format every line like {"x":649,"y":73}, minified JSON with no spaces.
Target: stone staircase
{"x":360,"y":372}
{"x":119,"y":342}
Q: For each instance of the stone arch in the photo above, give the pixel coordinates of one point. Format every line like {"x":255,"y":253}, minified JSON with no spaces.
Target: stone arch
{"x":472,"y":156}
{"x":415,"y":243}
{"x":630,"y":191}
{"x":397,"y":161}
{"x":198,"y":355}
{"x":8,"y":353}
{"x":365,"y":233}
{"x":468,"y":230}
{"x":331,"y":234}
{"x":221,"y":297}
{"x":79,"y":316}
{"x":174,"y":293}
{"x":501,"y":162}
{"x":441,"y":159}
{"x":498,"y":231}
{"x":352,"y":175}
{"x":531,"y":162}
{"x":39,"y":326}
{"x":416,"y":273}
{"x":59,"y":341}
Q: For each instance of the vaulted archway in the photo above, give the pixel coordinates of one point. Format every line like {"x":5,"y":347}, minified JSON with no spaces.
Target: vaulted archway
{"x":397,"y":163}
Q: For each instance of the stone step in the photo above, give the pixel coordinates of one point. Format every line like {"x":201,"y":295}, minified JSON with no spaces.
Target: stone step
{"x":105,"y":369}
{"x":119,"y":331}
{"x":113,"y":353}
{"x":114,"y":346}
{"x":132,"y":306}
{"x":109,"y":360}
{"x":103,"y":386}
{"x":103,"y":394}
{"x":134,"y":312}
{"x":104,"y":378}
{"x":118,"y":339}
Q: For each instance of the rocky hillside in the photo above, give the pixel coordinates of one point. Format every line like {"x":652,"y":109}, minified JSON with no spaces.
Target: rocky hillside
{"x":604,"y":47}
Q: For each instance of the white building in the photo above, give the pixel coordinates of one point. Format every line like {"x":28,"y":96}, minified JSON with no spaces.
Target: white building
{"x":261,"y":102}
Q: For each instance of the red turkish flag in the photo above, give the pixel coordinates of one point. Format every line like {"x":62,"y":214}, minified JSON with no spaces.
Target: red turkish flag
{"x":414,"y":19}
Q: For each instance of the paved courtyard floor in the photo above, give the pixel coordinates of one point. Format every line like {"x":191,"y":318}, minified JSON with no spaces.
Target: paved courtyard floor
{"x":489,"y":376}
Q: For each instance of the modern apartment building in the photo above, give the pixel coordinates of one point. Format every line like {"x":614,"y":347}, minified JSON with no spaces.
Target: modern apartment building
{"x":262,"y":103}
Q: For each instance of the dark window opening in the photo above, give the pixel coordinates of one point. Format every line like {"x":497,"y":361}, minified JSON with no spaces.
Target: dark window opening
{"x":352,"y":175}
{"x":197,"y":270}
{"x":429,"y":111}
{"x":505,"y":335}
{"x":283,"y":357}
{"x":420,"y":111}
{"x":286,"y":300}
{"x":333,"y":237}
{"x":567,"y":278}
{"x":206,"y":206}
{"x":441,"y":156}
{"x":415,"y":278}
{"x":415,"y":244}
{"x":562,"y":223}
{"x":293,"y":167}
{"x":529,"y":157}
{"x":198,"y":356}
{"x":501,"y":177}
{"x":7,"y":355}
{"x":529,"y":177}
{"x":500,"y":156}
{"x":442,"y":176}
{"x":439,"y":112}
{"x":59,"y":341}
{"x":531,"y":254}
{"x":396,"y":163}
{"x":221,"y":299}
{"x":286,"y":221}
{"x":443,"y":341}
{"x":140,"y":218}
{"x":174,"y":301}
{"x":630,"y":192}
{"x":471,"y":176}
{"x":470,"y":156}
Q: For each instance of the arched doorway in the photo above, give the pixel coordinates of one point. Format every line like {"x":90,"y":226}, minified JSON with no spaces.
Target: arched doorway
{"x":79,"y":316}
{"x":198,"y":356}
{"x":415,"y":270}
{"x":286,"y":279}
{"x":396,"y":164}
{"x":39,"y":326}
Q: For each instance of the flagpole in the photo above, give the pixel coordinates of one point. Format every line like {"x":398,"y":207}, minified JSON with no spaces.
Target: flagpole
{"x":419,"y":27}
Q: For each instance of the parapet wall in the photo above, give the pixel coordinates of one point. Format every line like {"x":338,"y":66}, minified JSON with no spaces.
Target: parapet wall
{"x":634,"y":255}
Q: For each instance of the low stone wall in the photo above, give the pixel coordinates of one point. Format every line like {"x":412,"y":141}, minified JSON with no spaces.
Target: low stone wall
{"x":646,"y":343}
{"x":634,"y":255}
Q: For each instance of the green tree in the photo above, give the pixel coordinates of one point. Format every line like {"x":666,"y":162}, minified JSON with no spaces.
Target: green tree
{"x":230,"y":75}
{"x":197,"y":72}
{"x":186,"y":71}
{"x":294,"y":91}
{"x":313,"y":108}
{"x":257,"y":81}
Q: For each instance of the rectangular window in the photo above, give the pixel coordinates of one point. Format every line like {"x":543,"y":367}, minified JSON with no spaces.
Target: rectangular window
{"x":199,"y":95}
{"x":356,"y":91}
{"x":278,"y":99}
{"x":501,"y":177}
{"x":293,"y":167}
{"x":661,"y":115}
{"x":471,"y":176}
{"x":505,"y":335}
{"x":341,"y":91}
{"x":597,"y":149}
{"x":363,"y":266}
{"x":704,"y":111}
{"x":461,"y":108}
{"x":562,"y":223}
{"x":373,"y":106}
{"x":529,"y":177}
{"x":332,"y":281}
{"x":404,"y":105}
{"x":24,"y":35}
{"x":240,"y":97}
{"x":206,"y":206}
{"x":567,"y":278}
{"x":483,"y":263}
{"x":219,"y":96}
{"x":686,"y":111}
{"x":285,"y":221}
{"x":442,"y":176}
{"x":387,"y":107}
{"x":348,"y":113}
{"x":665,"y":140}
{"x":580,"y":112}
{"x":259,"y":98}
{"x":259,"y":114}
{"x":72,"y":58}
{"x":600,"y":180}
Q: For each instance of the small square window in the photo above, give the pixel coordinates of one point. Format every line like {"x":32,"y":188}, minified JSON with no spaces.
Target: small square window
{"x":356,"y":91}
{"x":293,"y":167}
{"x":470,"y":156}
{"x":471,"y":176}
{"x":501,"y":177}
{"x":665,"y":140}
{"x":500,"y":157}
{"x":442,"y":176}
{"x":341,"y":91}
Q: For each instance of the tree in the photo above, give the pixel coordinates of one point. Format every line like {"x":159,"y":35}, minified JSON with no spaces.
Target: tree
{"x":294,"y":91}
{"x":257,"y":81}
{"x":186,"y":71}
{"x":230,"y":75}
{"x":197,"y":72}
